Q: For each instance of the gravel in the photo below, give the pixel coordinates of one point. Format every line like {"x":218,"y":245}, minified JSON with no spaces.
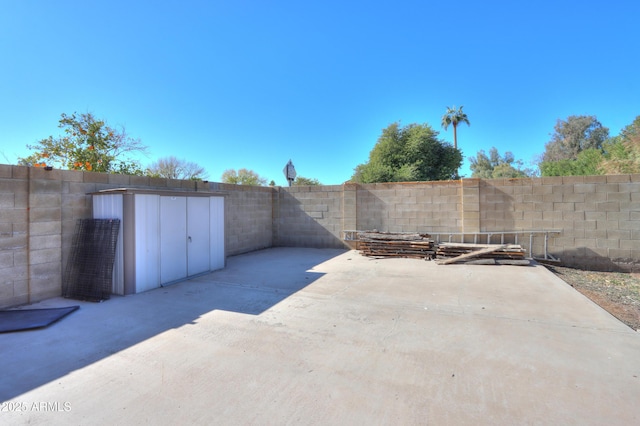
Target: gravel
{"x":616,"y":292}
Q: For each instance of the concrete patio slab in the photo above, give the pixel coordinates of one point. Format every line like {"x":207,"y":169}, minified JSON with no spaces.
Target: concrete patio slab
{"x":311,"y":336}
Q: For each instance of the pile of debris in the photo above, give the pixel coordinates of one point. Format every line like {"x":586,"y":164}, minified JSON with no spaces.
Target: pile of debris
{"x":390,"y":244}
{"x":420,"y":246}
{"x":481,"y":254}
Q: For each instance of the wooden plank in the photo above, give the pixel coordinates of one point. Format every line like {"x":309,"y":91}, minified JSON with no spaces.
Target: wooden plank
{"x":523,"y":262}
{"x":388,"y":244}
{"x":470,"y":255}
{"x":489,"y":261}
{"x":474,"y":246}
{"x":382,"y":236}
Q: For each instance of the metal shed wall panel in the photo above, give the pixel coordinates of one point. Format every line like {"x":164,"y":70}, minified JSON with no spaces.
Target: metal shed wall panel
{"x":164,"y":238}
{"x":216,"y":232}
{"x":147,"y":241}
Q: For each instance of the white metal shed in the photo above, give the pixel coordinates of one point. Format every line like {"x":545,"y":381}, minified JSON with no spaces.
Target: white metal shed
{"x":165,"y":236}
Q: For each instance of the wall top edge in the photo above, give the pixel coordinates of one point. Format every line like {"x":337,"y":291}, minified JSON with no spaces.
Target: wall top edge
{"x":11,"y":171}
{"x":190,"y":193}
{"x":409,"y":184}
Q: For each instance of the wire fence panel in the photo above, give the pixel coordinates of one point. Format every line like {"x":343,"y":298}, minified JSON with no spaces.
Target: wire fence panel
{"x":89,"y":272}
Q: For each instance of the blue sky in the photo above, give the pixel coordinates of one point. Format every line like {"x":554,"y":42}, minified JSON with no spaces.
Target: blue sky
{"x":252,"y":84}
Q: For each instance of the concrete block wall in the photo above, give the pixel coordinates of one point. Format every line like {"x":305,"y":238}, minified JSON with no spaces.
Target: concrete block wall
{"x":470,"y":221}
{"x":518,"y":204}
{"x":308,"y":216}
{"x":507,"y":204}
{"x":44,"y":239}
{"x":248,"y":217}
{"x":14,"y":234}
{"x":350,"y":211}
{"x":38,"y":220}
{"x":410,"y":207}
{"x":598,"y":216}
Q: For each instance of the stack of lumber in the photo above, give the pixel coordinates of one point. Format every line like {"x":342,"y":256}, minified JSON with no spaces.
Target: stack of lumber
{"x":389,"y":244}
{"x":481,"y":254}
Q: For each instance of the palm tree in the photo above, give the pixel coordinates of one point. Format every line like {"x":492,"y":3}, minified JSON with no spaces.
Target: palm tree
{"x":453,"y":117}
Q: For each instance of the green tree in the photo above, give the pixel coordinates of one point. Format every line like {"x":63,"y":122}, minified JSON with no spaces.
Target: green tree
{"x":303,"y":181}
{"x":174,"y":168}
{"x":409,"y":153}
{"x":494,"y":166}
{"x":573,"y":135}
{"x":454,"y":117}
{"x":577,"y":147}
{"x":623,"y":151}
{"x":88,"y":144}
{"x":243,"y":177}
{"x":587,"y":162}
{"x":631,"y":130}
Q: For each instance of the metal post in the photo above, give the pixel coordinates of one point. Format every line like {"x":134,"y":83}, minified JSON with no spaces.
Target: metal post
{"x":546,"y":239}
{"x":531,"y":245}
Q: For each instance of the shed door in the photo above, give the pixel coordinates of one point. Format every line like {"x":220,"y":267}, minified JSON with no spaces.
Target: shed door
{"x":197,"y":235}
{"x":147,"y":241}
{"x":173,"y":238}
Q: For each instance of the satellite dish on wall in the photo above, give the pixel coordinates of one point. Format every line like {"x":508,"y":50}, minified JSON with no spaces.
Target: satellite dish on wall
{"x":289,"y":172}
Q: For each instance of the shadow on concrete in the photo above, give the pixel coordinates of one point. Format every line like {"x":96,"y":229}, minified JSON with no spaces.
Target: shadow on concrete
{"x":250,"y":284}
{"x":586,"y":258}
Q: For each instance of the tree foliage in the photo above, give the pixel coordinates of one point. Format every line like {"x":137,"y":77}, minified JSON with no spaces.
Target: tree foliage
{"x":243,"y":177}
{"x":493,"y":166}
{"x":581,"y":146}
{"x":586,"y":163}
{"x":623,"y":154}
{"x":303,"y":181}
{"x":577,"y":147}
{"x":87,"y":144}
{"x":174,"y":168}
{"x":454,"y":117}
{"x":409,"y":153}
{"x":574,"y":135}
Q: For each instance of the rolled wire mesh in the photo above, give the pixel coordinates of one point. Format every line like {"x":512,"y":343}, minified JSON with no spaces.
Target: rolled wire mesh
{"x":89,"y":272}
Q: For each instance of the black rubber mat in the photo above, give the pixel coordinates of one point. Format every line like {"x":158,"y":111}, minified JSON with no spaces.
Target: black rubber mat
{"x":27,"y":319}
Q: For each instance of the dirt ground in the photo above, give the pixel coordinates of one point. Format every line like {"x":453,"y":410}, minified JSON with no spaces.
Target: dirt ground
{"x":616,"y":292}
